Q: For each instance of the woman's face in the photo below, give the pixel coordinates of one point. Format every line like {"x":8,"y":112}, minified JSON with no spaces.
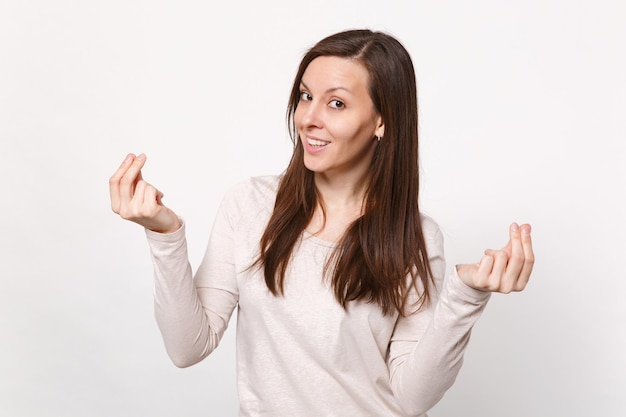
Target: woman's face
{"x":336,"y":119}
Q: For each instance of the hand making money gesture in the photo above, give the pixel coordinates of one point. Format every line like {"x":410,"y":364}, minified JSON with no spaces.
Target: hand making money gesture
{"x":136,"y":200}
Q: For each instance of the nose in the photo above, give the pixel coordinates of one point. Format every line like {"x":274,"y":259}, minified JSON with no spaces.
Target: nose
{"x":310,"y":114}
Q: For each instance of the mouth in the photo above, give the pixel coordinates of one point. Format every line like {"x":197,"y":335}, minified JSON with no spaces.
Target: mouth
{"x":316,"y":143}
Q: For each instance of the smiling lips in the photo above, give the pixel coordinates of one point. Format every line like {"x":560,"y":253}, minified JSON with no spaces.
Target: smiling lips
{"x":316,"y":143}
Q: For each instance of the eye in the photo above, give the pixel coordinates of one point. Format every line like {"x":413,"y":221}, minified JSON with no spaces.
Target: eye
{"x":304,"y":96}
{"x":337,"y":104}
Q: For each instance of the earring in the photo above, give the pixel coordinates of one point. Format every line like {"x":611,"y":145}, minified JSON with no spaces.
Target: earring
{"x":377,"y":138}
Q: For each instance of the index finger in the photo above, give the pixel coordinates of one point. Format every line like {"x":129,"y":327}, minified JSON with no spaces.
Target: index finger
{"x":130,"y":178}
{"x":114,"y":181}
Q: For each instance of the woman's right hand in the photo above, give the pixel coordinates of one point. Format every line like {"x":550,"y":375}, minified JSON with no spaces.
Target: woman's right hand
{"x":136,"y":200}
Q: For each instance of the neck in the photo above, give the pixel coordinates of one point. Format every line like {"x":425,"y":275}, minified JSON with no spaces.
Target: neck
{"x":343,"y":192}
{"x":342,"y":202}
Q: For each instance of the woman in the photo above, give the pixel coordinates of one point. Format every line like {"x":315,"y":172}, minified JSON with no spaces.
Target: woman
{"x":338,"y":279}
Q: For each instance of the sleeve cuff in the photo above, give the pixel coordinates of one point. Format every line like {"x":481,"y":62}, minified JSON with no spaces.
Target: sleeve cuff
{"x":167,"y":237}
{"x":464,"y":291}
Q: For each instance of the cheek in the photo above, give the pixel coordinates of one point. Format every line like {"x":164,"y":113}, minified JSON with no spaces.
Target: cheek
{"x":355,"y":131}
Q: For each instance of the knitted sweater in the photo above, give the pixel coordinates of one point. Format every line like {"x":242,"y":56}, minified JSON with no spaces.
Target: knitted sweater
{"x":302,"y":354}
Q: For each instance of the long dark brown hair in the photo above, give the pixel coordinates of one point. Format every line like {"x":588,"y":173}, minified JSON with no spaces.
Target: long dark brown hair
{"x":382,"y":254}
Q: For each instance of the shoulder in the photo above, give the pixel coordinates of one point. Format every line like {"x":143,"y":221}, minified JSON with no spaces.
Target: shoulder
{"x":433,"y":238}
{"x":430,"y":230}
{"x":252,"y":195}
{"x":255,"y":187}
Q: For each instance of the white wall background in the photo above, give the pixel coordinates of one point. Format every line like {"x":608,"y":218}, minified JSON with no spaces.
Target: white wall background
{"x":523,"y":110}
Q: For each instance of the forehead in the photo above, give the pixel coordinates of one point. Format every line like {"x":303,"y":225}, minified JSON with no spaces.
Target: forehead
{"x":336,"y":72}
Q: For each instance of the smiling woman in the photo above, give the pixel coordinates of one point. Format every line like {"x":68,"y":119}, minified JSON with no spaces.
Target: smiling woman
{"x":336,"y":118}
{"x":337,"y":276}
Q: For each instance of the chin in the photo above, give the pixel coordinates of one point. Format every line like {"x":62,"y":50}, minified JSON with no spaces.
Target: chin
{"x":314,"y":169}
{"x":312,"y":166}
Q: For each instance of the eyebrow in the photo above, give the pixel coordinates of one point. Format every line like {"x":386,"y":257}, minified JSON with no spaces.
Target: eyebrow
{"x":330,"y":90}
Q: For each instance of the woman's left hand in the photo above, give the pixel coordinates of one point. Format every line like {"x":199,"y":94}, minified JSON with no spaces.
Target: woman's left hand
{"x":504,"y":270}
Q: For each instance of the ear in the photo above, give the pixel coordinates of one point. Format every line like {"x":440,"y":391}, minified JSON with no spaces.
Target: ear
{"x":380,"y":127}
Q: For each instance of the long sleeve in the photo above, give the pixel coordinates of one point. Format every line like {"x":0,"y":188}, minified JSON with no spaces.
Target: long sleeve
{"x":427,"y":347}
{"x":296,"y":348}
{"x":192,"y":318}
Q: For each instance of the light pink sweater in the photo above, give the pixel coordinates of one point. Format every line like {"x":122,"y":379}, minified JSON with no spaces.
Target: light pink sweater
{"x":301,"y":354}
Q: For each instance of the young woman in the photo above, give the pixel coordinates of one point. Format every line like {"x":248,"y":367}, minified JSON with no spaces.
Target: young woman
{"x":338,"y":278}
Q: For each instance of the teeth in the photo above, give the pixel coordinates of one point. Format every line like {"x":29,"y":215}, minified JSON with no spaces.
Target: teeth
{"x":315,"y":142}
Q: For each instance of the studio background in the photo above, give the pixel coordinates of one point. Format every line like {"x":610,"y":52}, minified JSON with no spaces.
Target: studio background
{"x":522,"y":109}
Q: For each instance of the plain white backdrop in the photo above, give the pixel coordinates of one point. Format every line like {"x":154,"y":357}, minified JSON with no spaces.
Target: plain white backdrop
{"x":522,"y":112}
